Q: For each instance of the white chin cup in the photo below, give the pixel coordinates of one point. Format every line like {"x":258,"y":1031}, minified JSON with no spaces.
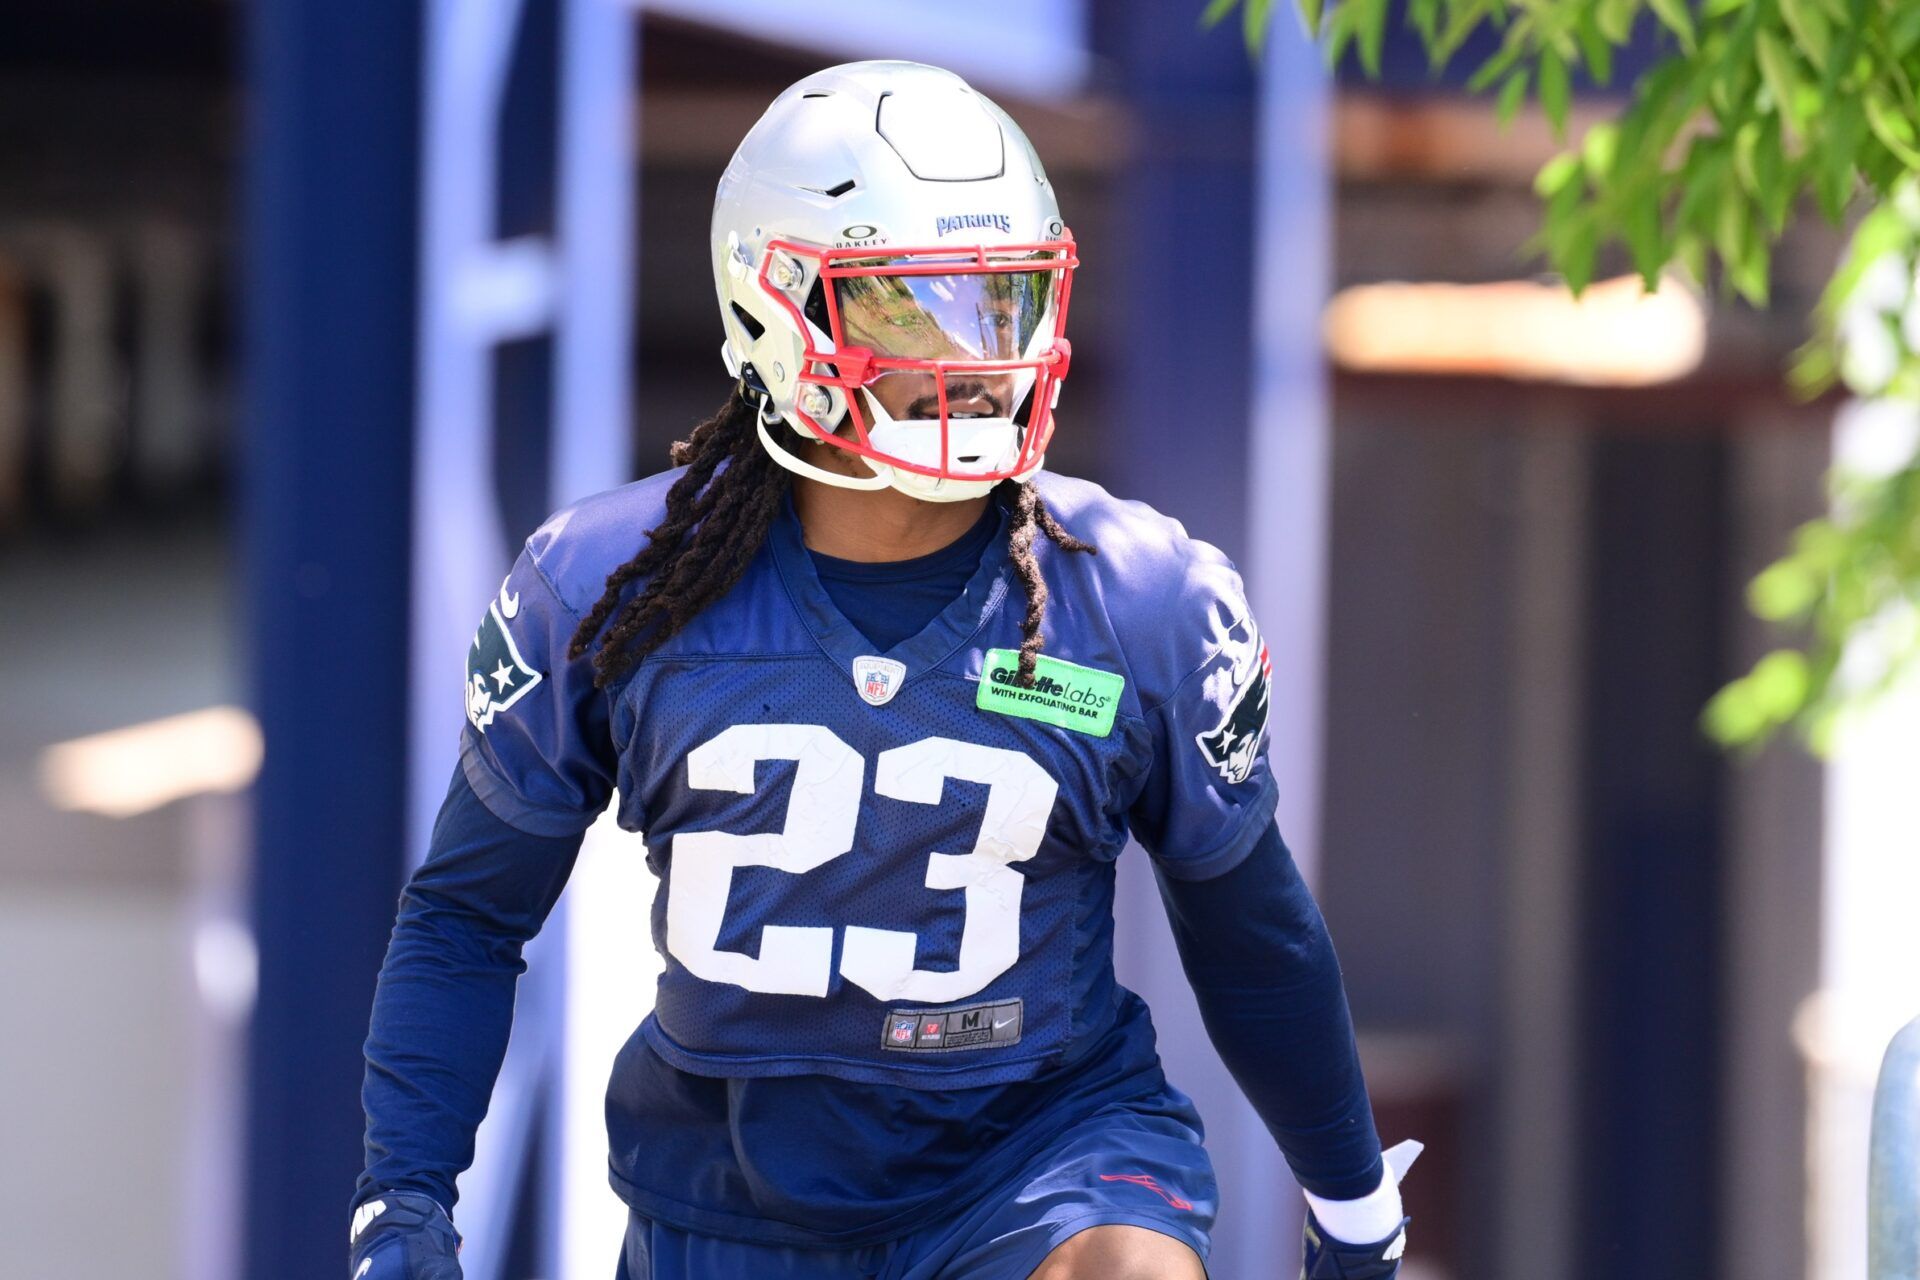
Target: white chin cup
{"x":976,"y":446}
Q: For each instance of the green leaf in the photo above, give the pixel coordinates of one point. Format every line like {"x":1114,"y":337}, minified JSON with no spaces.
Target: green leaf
{"x":1216,"y":12}
{"x":1881,"y":232}
{"x":1781,"y":73}
{"x":1674,"y":14}
{"x":1465,"y":18}
{"x":1339,"y":34}
{"x":1310,"y":14}
{"x":1730,"y":228}
{"x":1600,"y":150}
{"x":1254,"y":23}
{"x":1555,"y":174}
{"x":1811,"y":31}
{"x":1690,"y":256}
{"x":1776,"y":189}
{"x":1733,"y":718}
{"x":1893,"y":129}
{"x":1615,"y":19}
{"x":1512,"y":94}
{"x":1702,"y":177}
{"x":1784,"y":591}
{"x":1595,"y":49}
{"x":1813,"y":371}
{"x":1746,"y":147}
{"x":1781,"y":681}
{"x":1424,"y":17}
{"x":1641,"y":227}
{"x":1556,"y":91}
{"x":1836,"y":176}
{"x":1904,"y":33}
{"x":1373,"y":32}
{"x":1810,"y":107}
{"x":1497,"y":64}
{"x":1752,"y":272}
{"x":1777,"y":690}
{"x":1582,"y":248}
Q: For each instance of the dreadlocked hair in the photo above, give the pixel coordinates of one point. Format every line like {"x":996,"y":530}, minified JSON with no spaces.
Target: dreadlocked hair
{"x":717,"y":517}
{"x":718,"y":513}
{"x":1030,"y":517}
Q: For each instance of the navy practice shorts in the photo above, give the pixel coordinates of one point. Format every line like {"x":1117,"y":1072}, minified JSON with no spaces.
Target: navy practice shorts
{"x":1122,"y":1165}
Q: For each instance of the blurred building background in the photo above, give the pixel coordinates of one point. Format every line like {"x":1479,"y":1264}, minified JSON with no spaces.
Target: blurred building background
{"x":263,"y":427}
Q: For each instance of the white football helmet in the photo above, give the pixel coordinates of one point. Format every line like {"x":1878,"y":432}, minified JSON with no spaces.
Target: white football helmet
{"x":885,"y":224}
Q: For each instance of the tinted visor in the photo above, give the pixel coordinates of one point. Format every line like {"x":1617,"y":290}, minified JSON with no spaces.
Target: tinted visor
{"x":968,"y":315}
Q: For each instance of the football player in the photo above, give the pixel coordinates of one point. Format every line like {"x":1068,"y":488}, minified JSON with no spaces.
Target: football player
{"x":887,"y":700}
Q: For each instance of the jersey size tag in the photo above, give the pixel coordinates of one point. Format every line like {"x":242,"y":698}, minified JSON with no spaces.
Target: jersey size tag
{"x":975,"y":1026}
{"x":1064,"y":694}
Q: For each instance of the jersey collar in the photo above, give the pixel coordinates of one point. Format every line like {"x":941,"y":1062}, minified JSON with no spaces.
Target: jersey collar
{"x":958,"y":623}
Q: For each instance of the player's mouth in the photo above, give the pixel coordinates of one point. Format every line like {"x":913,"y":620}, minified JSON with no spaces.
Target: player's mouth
{"x":976,"y":402}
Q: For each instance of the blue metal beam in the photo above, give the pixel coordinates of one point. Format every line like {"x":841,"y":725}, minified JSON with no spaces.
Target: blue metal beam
{"x":1217,"y":416}
{"x":331,"y":176}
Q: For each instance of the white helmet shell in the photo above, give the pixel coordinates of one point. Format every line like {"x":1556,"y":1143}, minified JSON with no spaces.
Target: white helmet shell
{"x":896,"y":158}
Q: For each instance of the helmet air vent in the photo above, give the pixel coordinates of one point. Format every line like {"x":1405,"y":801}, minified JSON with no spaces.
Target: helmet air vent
{"x":816,"y":306}
{"x":753,"y":327}
{"x":943,"y":134}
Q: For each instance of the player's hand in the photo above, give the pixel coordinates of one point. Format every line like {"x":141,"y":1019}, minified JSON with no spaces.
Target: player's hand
{"x":1331,"y":1259}
{"x":401,"y":1235}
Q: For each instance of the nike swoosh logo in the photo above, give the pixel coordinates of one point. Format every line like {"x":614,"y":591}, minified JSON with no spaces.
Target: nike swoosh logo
{"x":1007,"y":1023}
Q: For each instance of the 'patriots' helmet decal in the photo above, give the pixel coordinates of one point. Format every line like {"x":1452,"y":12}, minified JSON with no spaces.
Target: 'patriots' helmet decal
{"x":1232,"y":745}
{"x":497,"y":676}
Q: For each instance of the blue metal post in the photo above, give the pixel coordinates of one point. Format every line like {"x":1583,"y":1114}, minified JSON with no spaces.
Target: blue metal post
{"x":1218,"y":418}
{"x":1176,"y":433}
{"x":329,"y":269}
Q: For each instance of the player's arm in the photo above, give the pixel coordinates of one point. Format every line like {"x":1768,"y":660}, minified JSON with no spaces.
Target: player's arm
{"x":536,"y":767}
{"x":1262,"y":965}
{"x":444,"y":1006}
{"x":1251,"y":938}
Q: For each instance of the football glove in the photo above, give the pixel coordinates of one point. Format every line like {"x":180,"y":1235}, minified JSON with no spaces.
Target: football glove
{"x":401,"y":1235}
{"x":1331,"y":1259}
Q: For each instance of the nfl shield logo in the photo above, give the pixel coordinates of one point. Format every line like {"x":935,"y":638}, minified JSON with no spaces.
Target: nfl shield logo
{"x":878,"y":679}
{"x":901,"y":1032}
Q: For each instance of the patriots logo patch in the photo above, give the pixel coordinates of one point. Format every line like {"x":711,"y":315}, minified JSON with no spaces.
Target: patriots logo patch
{"x":497,"y":676}
{"x":1232,"y":745}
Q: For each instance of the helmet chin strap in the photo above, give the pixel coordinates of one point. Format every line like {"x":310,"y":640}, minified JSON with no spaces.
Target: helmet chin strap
{"x":882,"y":476}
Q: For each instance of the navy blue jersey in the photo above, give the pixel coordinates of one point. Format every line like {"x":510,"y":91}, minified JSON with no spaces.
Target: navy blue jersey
{"x":889,"y":868}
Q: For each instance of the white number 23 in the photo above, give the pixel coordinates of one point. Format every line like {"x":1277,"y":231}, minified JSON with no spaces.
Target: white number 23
{"x":820,"y":819}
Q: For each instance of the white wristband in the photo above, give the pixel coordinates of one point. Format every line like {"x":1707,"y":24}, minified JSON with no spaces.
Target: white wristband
{"x":1372,"y":1217}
